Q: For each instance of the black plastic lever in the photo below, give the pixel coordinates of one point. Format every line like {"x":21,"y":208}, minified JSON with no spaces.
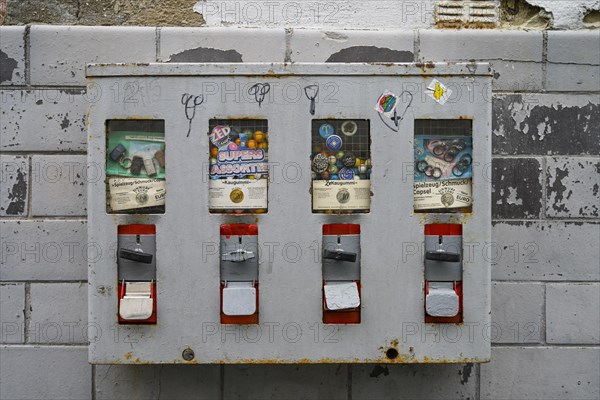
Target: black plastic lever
{"x":339,"y":255}
{"x":442,"y":256}
{"x":138,"y":256}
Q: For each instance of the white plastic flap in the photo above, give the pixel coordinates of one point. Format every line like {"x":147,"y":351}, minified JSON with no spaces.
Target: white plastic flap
{"x":341,"y":295}
{"x":137,"y":303}
{"x":239,"y":298}
{"x":442,"y":300}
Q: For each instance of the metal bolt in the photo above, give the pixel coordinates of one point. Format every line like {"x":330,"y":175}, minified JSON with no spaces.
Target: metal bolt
{"x":188,"y":354}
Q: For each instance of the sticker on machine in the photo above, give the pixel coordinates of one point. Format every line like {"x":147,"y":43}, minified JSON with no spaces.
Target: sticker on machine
{"x":451,"y":193}
{"x":133,"y":193}
{"x":438,"y":91}
{"x":237,"y":193}
{"x":341,"y":195}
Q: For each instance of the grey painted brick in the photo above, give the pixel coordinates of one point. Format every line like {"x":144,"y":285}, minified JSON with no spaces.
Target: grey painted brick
{"x":515,"y":56}
{"x":12,"y":313}
{"x":59,"y":184}
{"x":59,"y":54}
{"x":14,"y":184}
{"x":547,"y":251}
{"x":541,"y":373}
{"x":517,"y":312}
{"x":45,"y":250}
{"x":157,"y":382}
{"x":222,"y":45}
{"x":516,"y":188}
{"x":574,"y":47}
{"x":352,"y":46}
{"x":58,"y":313}
{"x":174,"y":382}
{"x":571,"y":78}
{"x":546,"y":124}
{"x":46,"y":372}
{"x":572,"y":313}
{"x":573,"y":61}
{"x":115,"y":382}
{"x":573,"y":187}
{"x":441,"y":381}
{"x":43,"y":120}
{"x":481,"y":45}
{"x":12,"y":55}
{"x":286,"y":381}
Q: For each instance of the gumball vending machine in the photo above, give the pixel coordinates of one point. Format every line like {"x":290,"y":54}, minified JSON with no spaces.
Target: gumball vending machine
{"x":316,"y":213}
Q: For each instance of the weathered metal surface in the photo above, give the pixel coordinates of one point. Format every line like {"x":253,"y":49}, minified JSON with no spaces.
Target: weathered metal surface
{"x":392,"y":329}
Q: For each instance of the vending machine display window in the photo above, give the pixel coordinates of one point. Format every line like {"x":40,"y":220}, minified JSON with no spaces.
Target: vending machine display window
{"x":135,"y":167}
{"x":238,"y":166}
{"x":443,"y":151}
{"x":341,"y":166}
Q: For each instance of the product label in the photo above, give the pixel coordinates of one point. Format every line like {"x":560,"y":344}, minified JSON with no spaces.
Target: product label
{"x":132,"y":193}
{"x":341,"y":195}
{"x":237,"y":193}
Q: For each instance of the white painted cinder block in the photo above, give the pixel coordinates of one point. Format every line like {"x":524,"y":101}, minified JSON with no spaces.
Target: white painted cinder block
{"x":351,"y":46}
{"x":541,"y":373}
{"x":44,"y":119}
{"x":517,"y":312}
{"x":12,"y":55}
{"x":59,"y":184}
{"x":427,"y":382}
{"x":59,"y":54}
{"x":572,"y":313}
{"x":222,"y":45}
{"x":572,"y":189}
{"x":58,"y":313}
{"x":48,"y":250}
{"x":12,"y":317}
{"x":47,"y":372}
{"x":536,"y":251}
{"x":286,"y":381}
{"x":573,"y":61}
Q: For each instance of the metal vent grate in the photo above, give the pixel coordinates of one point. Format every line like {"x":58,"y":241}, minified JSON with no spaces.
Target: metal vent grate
{"x":467,"y":14}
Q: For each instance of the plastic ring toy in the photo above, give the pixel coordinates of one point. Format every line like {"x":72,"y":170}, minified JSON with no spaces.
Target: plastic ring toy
{"x":349,"y":128}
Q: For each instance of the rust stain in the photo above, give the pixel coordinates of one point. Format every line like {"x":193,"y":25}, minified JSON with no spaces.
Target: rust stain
{"x":128,"y":355}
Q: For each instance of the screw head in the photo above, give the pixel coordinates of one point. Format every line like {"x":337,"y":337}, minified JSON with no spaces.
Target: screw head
{"x":188,"y":354}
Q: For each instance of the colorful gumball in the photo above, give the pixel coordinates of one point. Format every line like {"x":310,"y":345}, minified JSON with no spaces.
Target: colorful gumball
{"x":332,"y":160}
{"x":325,"y":175}
{"x":333,"y":169}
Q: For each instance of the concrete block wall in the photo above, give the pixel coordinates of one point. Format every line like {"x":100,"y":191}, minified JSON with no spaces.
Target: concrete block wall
{"x":546,"y":209}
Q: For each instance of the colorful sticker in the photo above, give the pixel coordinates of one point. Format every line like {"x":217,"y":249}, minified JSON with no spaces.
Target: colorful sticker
{"x":439,"y":92}
{"x":220,"y":136}
{"x":386,"y":104}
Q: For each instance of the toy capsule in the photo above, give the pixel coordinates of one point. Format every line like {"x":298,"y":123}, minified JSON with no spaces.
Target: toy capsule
{"x":214,"y":152}
{"x":251,"y":144}
{"x":259,"y":136}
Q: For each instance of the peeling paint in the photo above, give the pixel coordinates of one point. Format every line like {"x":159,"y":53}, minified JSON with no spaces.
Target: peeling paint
{"x":370,"y":54}
{"x":545,"y":126}
{"x":7,"y":67}
{"x":17,"y":195}
{"x":206,"y":54}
